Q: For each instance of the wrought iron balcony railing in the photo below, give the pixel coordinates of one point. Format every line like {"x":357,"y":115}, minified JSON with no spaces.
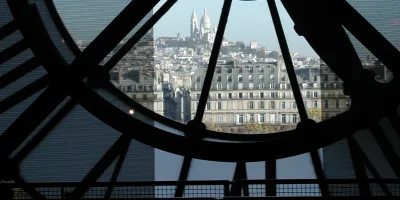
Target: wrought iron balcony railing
{"x":209,"y":189}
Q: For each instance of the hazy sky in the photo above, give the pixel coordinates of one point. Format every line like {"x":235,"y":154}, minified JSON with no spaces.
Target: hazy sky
{"x":247,"y":20}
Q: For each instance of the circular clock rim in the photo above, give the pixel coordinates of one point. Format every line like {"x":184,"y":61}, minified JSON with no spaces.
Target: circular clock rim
{"x":288,"y":143}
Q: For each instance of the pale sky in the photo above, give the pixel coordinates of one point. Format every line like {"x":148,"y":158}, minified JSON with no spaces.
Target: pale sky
{"x":247,"y":20}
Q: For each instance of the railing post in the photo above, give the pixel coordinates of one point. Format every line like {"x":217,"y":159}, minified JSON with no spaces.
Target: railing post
{"x":62,"y":192}
{"x":226,"y":189}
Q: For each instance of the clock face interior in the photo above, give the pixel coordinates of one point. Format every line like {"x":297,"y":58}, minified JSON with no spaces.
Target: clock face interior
{"x":189,"y":82}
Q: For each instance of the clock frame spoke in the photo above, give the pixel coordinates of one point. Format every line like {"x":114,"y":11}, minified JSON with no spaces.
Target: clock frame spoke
{"x":223,"y":20}
{"x":183,"y":175}
{"x":111,"y":36}
{"x":18,"y":72}
{"x":13,"y":50}
{"x":270,"y":174}
{"x":24,"y":93}
{"x":86,"y":64}
{"x":359,"y":169}
{"x":117,"y":170}
{"x":8,"y":29}
{"x":387,"y":148}
{"x":30,"y":119}
{"x":45,"y":131}
{"x":109,"y":87}
{"x":357,"y":150}
{"x":288,"y":60}
{"x":138,"y":35}
{"x":101,"y":166}
{"x":305,"y":121}
{"x":364,"y":31}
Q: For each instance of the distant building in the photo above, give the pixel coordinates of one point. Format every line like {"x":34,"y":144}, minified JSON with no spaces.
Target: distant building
{"x":253,"y":45}
{"x":204,"y":32}
{"x":253,"y":93}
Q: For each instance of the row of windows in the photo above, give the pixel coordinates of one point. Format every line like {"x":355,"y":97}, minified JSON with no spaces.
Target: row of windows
{"x":251,"y":118}
{"x":251,"y":95}
{"x":272,"y":85}
{"x":249,"y":69}
{"x":256,"y":105}
{"x":273,"y":105}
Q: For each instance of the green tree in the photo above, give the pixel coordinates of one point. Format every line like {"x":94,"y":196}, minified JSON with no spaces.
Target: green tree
{"x":315,"y":114}
{"x":256,"y":128}
{"x":213,"y":126}
{"x":273,"y":54}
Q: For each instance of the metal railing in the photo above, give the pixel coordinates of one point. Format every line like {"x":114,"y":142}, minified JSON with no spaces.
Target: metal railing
{"x":206,"y":189}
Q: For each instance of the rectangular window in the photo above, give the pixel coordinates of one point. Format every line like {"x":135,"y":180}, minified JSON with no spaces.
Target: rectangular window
{"x":251,"y":95}
{"x":219,"y":105}
{"x":229,"y":78}
{"x":261,"y":94}
{"x":240,"y":70}
{"x":315,"y":104}
{"x":294,"y":119}
{"x":219,"y":96}
{"x":219,"y":78}
{"x":283,"y":105}
{"x":251,"y":105}
{"x":347,"y":104}
{"x":272,"y":118}
{"x":272,"y":70}
{"x":315,"y":94}
{"x":261,"y":78}
{"x":294,"y":105}
{"x":261,"y":85}
{"x":250,"y":78}
{"x":262,"y":105}
{"x":262,"y":118}
{"x":308,"y":94}
{"x":229,"y":86}
{"x":326,"y":104}
{"x":230,"y":95}
{"x":218,"y":69}
{"x":240,"y":95}
{"x":261,"y":69}
{"x":272,"y":104}
{"x":219,"y":86}
{"x":272,"y":85}
{"x":240,"y":78}
{"x":251,"y":69}
{"x":325,"y":77}
{"x":240,"y":86}
{"x":283,"y":118}
{"x":251,"y":86}
{"x":251,"y":118}
{"x":197,"y":96}
{"x":240,"y":119}
{"x":208,"y":107}
{"x":283,"y":94}
{"x":337,"y":103}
